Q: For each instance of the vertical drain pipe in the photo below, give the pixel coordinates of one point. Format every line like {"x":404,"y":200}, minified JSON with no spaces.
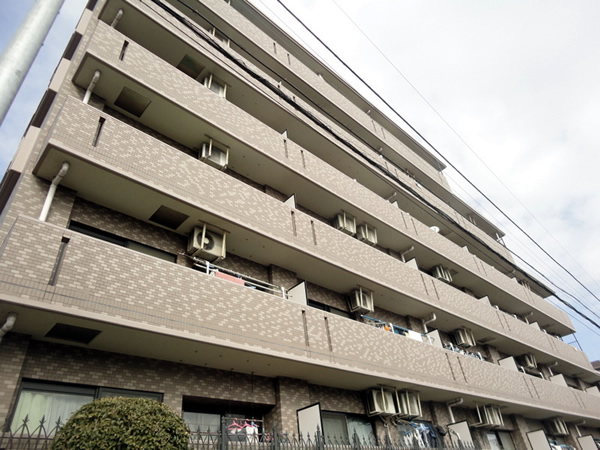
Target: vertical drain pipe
{"x":117,"y":18}
{"x":10,"y":322}
{"x":577,"y":425}
{"x":91,"y":87}
{"x":451,"y":404}
{"x":406,"y":252}
{"x":428,"y":319}
{"x":52,"y":190}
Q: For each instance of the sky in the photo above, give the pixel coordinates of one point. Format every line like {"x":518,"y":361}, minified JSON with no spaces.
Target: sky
{"x":507,"y":91}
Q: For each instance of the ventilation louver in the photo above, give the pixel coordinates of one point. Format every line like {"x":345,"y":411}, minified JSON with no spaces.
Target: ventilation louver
{"x":441,"y":273}
{"x":366,"y":233}
{"x":361,"y":300}
{"x":346,"y":223}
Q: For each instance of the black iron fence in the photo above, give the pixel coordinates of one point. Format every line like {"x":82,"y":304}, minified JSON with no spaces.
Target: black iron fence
{"x":29,"y":436}
{"x":250,"y":436}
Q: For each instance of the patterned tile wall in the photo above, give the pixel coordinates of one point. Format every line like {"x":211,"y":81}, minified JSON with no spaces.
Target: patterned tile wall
{"x":66,"y":364}
{"x":326,"y":175}
{"x":146,"y":290}
{"x":289,"y":62}
{"x":12,"y":355}
{"x":102,"y":48}
{"x":228,"y":195}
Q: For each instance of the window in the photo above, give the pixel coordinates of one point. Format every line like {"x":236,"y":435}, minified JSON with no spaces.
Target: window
{"x":500,"y":440}
{"x":243,"y":421}
{"x":53,"y":403}
{"x":132,"y":102}
{"x":190,"y":67}
{"x":330,"y":309}
{"x":220,"y":37}
{"x":57,"y":402}
{"x":341,"y":428}
{"x":202,"y":422}
{"x":123,"y":242}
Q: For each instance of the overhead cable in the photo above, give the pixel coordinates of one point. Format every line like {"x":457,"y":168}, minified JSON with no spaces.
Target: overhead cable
{"x":292,"y":102}
{"x":437,"y":151}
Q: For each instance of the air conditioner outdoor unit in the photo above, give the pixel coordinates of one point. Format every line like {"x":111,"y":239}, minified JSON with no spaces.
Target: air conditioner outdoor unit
{"x":464,"y":337}
{"x":441,"y":273}
{"x":528,"y":360}
{"x":361,"y":300}
{"x":380,"y":402}
{"x":367,"y":234}
{"x":489,"y":416}
{"x":346,"y":223}
{"x":206,"y":244}
{"x":409,"y":404}
{"x":557,"y":427}
{"x":213,"y":155}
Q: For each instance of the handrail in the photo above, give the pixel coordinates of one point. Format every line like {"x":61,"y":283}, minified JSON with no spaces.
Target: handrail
{"x":395,"y":328}
{"x":250,"y":282}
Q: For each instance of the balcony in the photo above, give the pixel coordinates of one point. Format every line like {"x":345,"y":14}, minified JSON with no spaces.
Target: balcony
{"x":183,"y":110}
{"x":246,"y":93}
{"x":108,"y":170}
{"x":146,"y":306}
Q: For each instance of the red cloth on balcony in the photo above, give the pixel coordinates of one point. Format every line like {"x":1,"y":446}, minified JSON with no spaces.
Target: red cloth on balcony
{"x":228,"y":277}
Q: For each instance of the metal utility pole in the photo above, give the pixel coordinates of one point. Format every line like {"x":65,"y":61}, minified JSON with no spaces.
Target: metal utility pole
{"x":18,"y":56}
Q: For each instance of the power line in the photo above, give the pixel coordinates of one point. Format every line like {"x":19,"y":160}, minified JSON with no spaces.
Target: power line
{"x":456,"y":133}
{"x":541,"y":262}
{"x":201,"y":33}
{"x":444,"y":158}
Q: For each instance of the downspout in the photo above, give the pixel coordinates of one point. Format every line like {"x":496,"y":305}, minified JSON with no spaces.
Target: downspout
{"x":117,"y":18}
{"x":527,"y":316}
{"x":10,"y":322}
{"x":52,"y":190}
{"x":577,"y":425}
{"x":451,"y":404}
{"x":92,"y":85}
{"x":550,"y":366}
{"x":428,"y":319}
{"x":406,"y":252}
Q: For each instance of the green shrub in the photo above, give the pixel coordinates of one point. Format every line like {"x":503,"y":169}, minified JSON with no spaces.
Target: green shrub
{"x":123,"y":424}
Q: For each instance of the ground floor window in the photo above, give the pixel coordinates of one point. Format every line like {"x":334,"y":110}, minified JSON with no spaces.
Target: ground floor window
{"x":202,"y":422}
{"x":56,"y":402}
{"x":242,"y":421}
{"x":51,"y":406}
{"x":558,"y":443}
{"x":342,"y":428}
{"x":500,"y":440}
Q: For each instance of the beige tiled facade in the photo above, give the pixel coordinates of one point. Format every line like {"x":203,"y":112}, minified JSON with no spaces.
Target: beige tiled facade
{"x":276,"y":333}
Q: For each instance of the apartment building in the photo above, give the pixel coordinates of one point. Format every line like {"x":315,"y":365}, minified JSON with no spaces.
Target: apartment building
{"x":201,"y":212}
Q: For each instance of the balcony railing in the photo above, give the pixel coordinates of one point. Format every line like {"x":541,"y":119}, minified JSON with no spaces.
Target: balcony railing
{"x":236,"y":277}
{"x":149,"y":293}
